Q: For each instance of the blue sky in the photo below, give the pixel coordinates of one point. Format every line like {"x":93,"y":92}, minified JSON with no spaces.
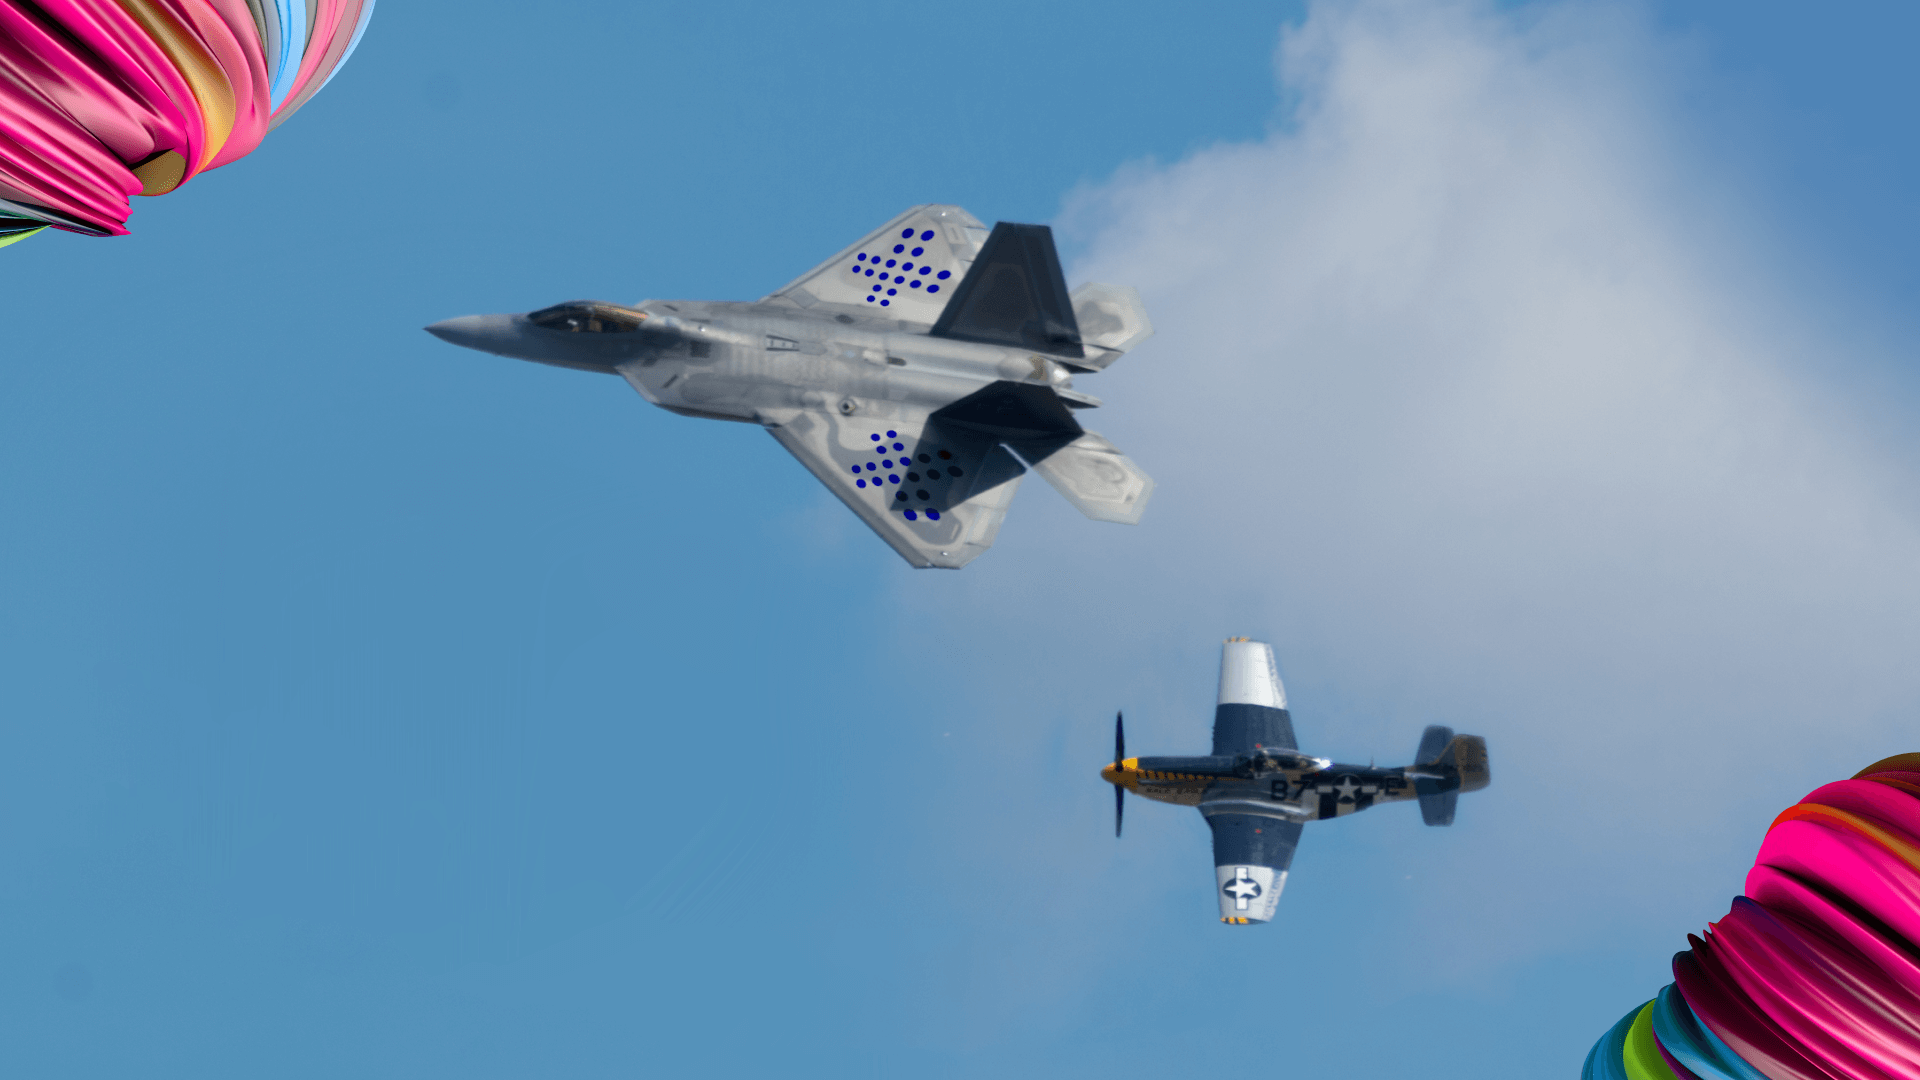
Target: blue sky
{"x":377,"y":708}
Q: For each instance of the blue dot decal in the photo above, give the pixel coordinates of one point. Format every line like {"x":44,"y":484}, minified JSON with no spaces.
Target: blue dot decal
{"x":906,"y":266}
{"x":925,"y":269}
{"x":914,"y":284}
{"x":910,"y":516}
{"x":933,"y":288}
{"x":884,"y":303}
{"x":875,"y":438}
{"x":856,"y":468}
{"x":893,"y":434}
{"x":892,"y":479}
{"x":906,"y":234}
{"x":917,"y":251}
{"x":888,"y":463}
{"x":890,"y":262}
{"x":876,"y":288}
{"x":933,"y":515}
{"x":898,"y":248}
{"x":944,"y":275}
{"x":897,"y":278}
{"x":928,"y":235}
{"x":871,"y":467}
{"x":870,"y":299}
{"x":861,"y":483}
{"x":900,"y":446}
{"x":862,"y":256}
{"x":869,"y":273}
{"x":891,"y":292}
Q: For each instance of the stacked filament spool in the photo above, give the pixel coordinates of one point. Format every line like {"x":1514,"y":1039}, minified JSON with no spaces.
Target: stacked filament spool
{"x":1815,"y":973}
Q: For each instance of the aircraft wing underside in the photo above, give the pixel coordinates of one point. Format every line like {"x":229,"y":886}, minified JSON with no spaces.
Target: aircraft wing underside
{"x":910,"y":266}
{"x":936,"y":493}
{"x":1251,"y":853}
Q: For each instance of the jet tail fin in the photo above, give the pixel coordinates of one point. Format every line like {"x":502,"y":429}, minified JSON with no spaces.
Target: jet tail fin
{"x":1014,"y":295}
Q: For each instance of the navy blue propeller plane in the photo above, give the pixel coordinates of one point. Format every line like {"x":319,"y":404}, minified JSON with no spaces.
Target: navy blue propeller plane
{"x":1257,"y":790}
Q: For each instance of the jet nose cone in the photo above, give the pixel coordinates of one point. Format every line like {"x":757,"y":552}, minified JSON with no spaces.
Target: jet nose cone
{"x":471,"y":331}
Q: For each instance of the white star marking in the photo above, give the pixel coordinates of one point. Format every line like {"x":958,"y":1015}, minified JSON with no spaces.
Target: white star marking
{"x":1242,"y":888}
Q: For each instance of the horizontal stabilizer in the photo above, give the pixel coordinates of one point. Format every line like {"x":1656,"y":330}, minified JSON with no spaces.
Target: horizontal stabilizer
{"x":1112,"y":320}
{"x":1462,"y":761}
{"x":1093,"y":475}
{"x":1015,"y":295}
{"x":1437,"y":797}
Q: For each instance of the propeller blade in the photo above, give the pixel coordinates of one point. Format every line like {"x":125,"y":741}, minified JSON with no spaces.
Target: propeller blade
{"x":1119,"y":808}
{"x":1119,"y":755}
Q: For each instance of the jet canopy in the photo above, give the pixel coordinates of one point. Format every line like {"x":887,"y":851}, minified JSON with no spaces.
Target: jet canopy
{"x":588,"y":317}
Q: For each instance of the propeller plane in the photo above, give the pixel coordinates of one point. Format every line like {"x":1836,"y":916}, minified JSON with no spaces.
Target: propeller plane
{"x":1257,"y":790}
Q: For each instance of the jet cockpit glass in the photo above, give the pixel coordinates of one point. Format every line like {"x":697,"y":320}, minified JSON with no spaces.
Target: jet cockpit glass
{"x":588,"y":317}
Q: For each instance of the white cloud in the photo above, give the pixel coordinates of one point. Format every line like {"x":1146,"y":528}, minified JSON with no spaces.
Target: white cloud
{"x":1474,"y":393}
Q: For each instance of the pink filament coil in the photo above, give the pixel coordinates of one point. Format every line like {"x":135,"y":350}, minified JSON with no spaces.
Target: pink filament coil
{"x":1815,"y":973}
{"x":101,"y":100}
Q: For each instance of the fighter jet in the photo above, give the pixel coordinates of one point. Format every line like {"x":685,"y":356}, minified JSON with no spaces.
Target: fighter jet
{"x":1258,"y":790}
{"x":918,"y":374}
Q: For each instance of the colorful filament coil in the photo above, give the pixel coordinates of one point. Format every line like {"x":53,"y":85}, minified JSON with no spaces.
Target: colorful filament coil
{"x":1815,"y":973}
{"x":101,"y":100}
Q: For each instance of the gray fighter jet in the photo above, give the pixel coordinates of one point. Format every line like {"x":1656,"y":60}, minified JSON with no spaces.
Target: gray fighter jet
{"x":919,"y":373}
{"x":1258,"y":790}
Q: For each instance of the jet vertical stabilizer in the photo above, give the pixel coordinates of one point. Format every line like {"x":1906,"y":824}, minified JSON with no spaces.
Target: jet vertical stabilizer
{"x":1014,"y":295}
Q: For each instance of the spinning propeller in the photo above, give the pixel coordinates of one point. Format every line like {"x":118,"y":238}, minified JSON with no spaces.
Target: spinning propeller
{"x":1119,"y":755}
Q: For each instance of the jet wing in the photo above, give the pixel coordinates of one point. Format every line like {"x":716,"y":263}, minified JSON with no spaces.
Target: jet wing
{"x":910,"y":267}
{"x":936,"y":492}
